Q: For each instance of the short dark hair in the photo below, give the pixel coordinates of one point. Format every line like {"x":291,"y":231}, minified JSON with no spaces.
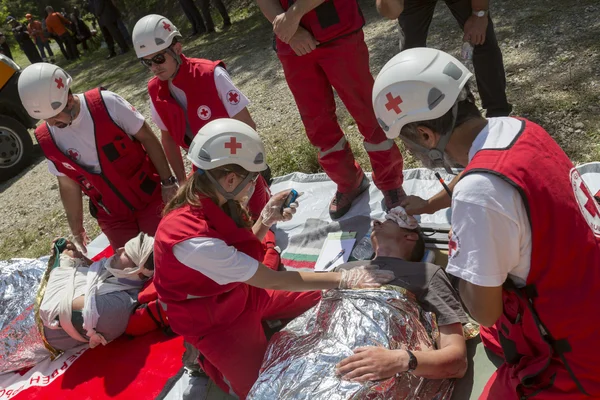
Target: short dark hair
{"x":419,"y":250}
{"x":149,"y":265}
{"x":467,"y":110}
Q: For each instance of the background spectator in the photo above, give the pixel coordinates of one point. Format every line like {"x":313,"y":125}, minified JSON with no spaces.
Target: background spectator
{"x":59,"y":25}
{"x":4,"y":47}
{"x":81,"y":29}
{"x":36,"y":32}
{"x":24,"y":41}
{"x":108,"y":18}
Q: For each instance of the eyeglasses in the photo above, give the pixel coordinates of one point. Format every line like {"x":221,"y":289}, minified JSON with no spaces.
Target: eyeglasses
{"x":157,"y":59}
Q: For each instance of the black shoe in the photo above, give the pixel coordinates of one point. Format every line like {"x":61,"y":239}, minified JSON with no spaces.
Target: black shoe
{"x":193,"y":34}
{"x":111,"y":55}
{"x":210,"y":30}
{"x":342,"y":202}
{"x":226,"y":24}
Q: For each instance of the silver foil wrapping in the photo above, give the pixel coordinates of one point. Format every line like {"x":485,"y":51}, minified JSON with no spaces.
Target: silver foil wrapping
{"x":300,"y":360}
{"x":21,"y":345}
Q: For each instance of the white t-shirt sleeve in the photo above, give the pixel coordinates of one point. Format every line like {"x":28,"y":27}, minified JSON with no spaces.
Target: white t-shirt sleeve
{"x":487,"y":232}
{"x":52,"y":169}
{"x":123,"y":113}
{"x":156,"y":118}
{"x":233,"y":99}
{"x":215,"y":259}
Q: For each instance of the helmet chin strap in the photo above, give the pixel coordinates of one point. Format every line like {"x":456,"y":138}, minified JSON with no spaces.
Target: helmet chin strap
{"x":436,"y":155}
{"x":177,"y":60}
{"x":230,"y":196}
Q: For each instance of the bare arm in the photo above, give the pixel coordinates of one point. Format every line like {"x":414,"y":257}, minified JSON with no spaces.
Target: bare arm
{"x":415,"y":205}
{"x":154,"y":150}
{"x":173,"y":154}
{"x":292,"y":281}
{"x":484,"y":303}
{"x":375,"y":363}
{"x":270,"y":8}
{"x":72,"y":199}
{"x":245,"y":117}
{"x":301,"y":7}
{"x":390,"y":9}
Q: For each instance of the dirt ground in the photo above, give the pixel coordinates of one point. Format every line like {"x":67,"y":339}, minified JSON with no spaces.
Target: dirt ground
{"x":551,"y":54}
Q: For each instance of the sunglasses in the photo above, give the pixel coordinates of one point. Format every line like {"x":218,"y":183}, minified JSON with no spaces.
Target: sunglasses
{"x":157,"y":59}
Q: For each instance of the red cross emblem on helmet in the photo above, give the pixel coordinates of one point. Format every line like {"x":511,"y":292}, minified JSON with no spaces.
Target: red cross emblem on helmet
{"x":59,"y":83}
{"x":233,"y":145}
{"x":166,"y":27}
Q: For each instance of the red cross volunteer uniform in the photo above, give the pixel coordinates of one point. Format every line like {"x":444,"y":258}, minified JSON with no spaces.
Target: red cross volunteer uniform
{"x":201,"y":91}
{"x":340,"y":62}
{"x":522,"y":219}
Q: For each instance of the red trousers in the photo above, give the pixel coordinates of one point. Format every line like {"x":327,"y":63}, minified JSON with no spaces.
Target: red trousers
{"x":120,"y":230}
{"x":344,"y":65}
{"x":232,"y":356}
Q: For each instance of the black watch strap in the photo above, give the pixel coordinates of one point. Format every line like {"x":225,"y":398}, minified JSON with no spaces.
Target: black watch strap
{"x":169,"y":181}
{"x":412,"y":361}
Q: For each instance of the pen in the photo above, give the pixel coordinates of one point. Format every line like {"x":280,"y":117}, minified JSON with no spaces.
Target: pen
{"x":446,"y":188}
{"x":330,"y":263}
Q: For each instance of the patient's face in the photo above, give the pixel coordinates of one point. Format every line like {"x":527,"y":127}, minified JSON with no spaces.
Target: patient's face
{"x":387,"y":233}
{"x":121,"y":260}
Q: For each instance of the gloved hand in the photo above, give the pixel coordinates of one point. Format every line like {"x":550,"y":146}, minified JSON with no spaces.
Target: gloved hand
{"x":364,"y":277}
{"x":271,"y":213}
{"x":168,"y":192}
{"x":81,"y":240}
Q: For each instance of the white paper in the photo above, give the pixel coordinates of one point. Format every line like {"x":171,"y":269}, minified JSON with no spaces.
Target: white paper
{"x":331,"y":249}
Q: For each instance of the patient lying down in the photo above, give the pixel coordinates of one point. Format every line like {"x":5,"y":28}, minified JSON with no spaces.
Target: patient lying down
{"x":395,"y":342}
{"x":86,"y":302}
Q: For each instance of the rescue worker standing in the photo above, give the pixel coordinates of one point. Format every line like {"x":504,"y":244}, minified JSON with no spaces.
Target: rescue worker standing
{"x":208,"y":259}
{"x":525,"y":239}
{"x":24,"y":41}
{"x":177,"y":105}
{"x":321,"y":45}
{"x":36,"y":31}
{"x":97,"y":144}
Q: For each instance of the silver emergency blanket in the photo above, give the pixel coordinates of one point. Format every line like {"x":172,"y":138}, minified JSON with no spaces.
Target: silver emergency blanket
{"x":21,"y":345}
{"x":300,"y":360}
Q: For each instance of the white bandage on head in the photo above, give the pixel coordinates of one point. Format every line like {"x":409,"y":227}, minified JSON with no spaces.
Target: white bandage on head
{"x":140,"y":248}
{"x":399,"y":216}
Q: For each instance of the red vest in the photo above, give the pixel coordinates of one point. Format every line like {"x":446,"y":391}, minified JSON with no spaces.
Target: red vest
{"x":128,"y":180}
{"x":196,"y":78}
{"x":330,"y":20}
{"x":196,"y":303}
{"x":549,"y":329}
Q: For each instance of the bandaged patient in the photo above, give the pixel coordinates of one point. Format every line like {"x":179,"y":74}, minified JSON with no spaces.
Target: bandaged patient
{"x":401,"y":341}
{"x":91,"y":302}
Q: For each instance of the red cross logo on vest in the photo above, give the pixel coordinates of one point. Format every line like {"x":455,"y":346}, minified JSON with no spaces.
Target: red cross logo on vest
{"x":233,"y":97}
{"x":59,"y":83}
{"x":166,"y":27}
{"x":393,"y":103}
{"x":73,"y":154}
{"x":587,"y":203}
{"x":204,"y":113}
{"x":233,"y":145}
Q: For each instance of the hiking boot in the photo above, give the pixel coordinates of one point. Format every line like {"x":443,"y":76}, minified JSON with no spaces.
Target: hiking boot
{"x":393,"y":198}
{"x":342,"y":202}
{"x":197,"y":387}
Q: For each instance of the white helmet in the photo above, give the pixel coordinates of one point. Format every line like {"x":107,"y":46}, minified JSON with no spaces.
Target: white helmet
{"x":227,"y":141}
{"x":418,"y":84}
{"x":44,"y":90}
{"x":153,"y":33}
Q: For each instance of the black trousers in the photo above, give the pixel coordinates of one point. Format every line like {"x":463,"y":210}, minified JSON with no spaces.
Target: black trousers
{"x":193,"y":15}
{"x":487,"y":58}
{"x":70,"y":46}
{"x":31,"y":52}
{"x":112,"y":33}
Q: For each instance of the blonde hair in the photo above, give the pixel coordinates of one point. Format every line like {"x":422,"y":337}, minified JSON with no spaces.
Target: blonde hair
{"x":199,"y":186}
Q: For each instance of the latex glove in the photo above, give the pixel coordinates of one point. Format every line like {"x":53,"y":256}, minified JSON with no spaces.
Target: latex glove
{"x":475,"y":29}
{"x":303,"y":42}
{"x":285,"y":26}
{"x":168,"y":192}
{"x":271,"y":213}
{"x":81,"y":241}
{"x":364,"y":277}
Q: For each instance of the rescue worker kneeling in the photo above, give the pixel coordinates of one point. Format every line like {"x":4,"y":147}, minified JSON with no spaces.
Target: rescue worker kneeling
{"x":390,"y":331}
{"x":208,"y":257}
{"x":87,"y":301}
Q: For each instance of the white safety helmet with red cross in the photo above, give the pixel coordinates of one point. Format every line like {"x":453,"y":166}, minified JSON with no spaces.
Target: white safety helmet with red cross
{"x":153,"y":33}
{"x":227,"y":141}
{"x":417,"y":84}
{"x":44,"y":90}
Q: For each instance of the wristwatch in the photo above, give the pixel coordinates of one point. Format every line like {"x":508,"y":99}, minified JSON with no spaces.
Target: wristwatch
{"x":480,"y":13}
{"x":412,"y":361}
{"x":170,"y":181}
